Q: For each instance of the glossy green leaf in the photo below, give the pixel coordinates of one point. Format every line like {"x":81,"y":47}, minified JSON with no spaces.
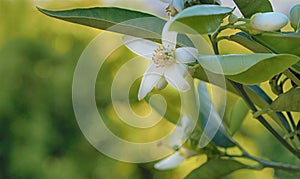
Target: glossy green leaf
{"x":203,"y":19}
{"x":295,"y":17}
{"x":211,"y":121}
{"x":243,"y":67}
{"x":118,"y":20}
{"x":106,"y":17}
{"x":250,"y":7}
{"x":289,"y":101}
{"x":288,"y":42}
{"x":216,"y":169}
{"x":245,"y":40}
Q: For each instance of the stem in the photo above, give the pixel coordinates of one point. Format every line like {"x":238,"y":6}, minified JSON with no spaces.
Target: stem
{"x":262,"y":120}
{"x":291,"y":119}
{"x":291,"y":76}
{"x":243,"y":94}
{"x":263,"y":163}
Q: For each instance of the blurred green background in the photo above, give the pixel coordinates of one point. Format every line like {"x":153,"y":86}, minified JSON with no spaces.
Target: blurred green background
{"x":39,"y":135}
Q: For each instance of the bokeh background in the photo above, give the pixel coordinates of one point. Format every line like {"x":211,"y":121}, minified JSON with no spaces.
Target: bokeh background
{"x":39,"y":135}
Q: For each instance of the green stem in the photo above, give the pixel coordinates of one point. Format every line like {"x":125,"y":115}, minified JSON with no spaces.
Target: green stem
{"x":291,"y":119}
{"x":263,"y":163}
{"x":291,"y":76}
{"x":243,"y":94}
{"x":262,"y":120}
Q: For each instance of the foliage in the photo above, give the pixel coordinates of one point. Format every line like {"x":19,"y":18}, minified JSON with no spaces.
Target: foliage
{"x":41,"y":137}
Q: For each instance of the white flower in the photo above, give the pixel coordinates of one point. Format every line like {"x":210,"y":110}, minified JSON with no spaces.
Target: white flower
{"x":178,"y":137}
{"x":174,"y":7}
{"x":181,"y":132}
{"x":175,"y":159}
{"x":166,"y":61}
{"x":170,"y":162}
{"x":269,"y":21}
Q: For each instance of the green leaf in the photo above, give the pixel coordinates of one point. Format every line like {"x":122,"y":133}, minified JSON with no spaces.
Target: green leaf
{"x":250,"y":7}
{"x":288,"y":42}
{"x":295,"y":17}
{"x":245,"y":40}
{"x":203,"y":19}
{"x":215,"y":169}
{"x":236,"y":111}
{"x":118,"y":20}
{"x":289,"y":101}
{"x":106,"y":17}
{"x":211,"y":121}
{"x":248,"y":68}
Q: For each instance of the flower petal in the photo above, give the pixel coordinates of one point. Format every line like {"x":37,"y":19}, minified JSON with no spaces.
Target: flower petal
{"x":169,"y":39}
{"x":170,"y":162}
{"x":174,"y":75}
{"x":177,"y":138}
{"x":186,"y":54}
{"x":140,"y":46}
{"x":150,"y":78}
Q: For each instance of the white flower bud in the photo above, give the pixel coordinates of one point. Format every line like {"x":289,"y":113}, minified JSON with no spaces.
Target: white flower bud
{"x":269,"y":21}
{"x":161,"y":84}
{"x":170,"y":162}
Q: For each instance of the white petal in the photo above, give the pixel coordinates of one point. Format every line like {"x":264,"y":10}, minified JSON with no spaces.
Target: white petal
{"x":186,"y":54}
{"x":150,"y":78}
{"x":170,"y":162}
{"x":174,"y":75}
{"x":177,"y":137}
{"x":185,"y":122}
{"x":178,"y":5}
{"x":166,"y":1}
{"x":140,"y":46}
{"x":169,"y":39}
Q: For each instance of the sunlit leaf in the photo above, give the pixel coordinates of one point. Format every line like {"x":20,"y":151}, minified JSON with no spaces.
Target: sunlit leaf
{"x":215,"y":169}
{"x":250,"y":7}
{"x":204,"y":19}
{"x":248,"y":68}
{"x":289,"y":101}
{"x":118,"y":20}
{"x":106,"y":17}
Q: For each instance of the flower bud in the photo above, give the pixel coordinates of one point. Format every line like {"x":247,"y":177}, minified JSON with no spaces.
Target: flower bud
{"x":170,"y":162}
{"x":269,"y":21}
{"x":161,"y":84}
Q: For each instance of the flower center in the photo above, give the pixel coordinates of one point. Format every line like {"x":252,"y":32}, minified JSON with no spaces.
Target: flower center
{"x":163,"y":57}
